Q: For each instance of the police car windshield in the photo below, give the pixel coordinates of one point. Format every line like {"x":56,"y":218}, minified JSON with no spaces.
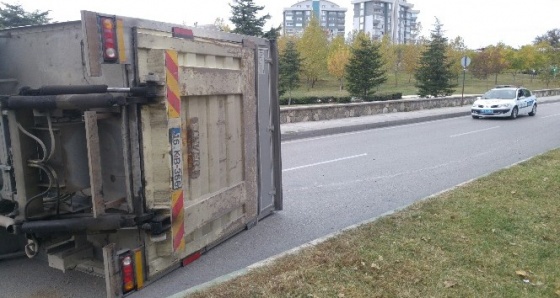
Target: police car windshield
{"x":499,"y":94}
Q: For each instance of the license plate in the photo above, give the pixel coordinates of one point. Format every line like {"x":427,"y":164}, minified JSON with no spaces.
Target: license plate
{"x":487,"y":112}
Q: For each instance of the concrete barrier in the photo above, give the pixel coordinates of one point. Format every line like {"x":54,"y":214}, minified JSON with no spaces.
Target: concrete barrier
{"x":319,"y":112}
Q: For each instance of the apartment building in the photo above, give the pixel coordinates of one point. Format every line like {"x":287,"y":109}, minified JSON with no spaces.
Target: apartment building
{"x":379,"y":17}
{"x":330,"y":15}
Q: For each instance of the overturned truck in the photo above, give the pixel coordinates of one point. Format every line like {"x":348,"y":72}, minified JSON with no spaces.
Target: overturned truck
{"x":129,"y":147}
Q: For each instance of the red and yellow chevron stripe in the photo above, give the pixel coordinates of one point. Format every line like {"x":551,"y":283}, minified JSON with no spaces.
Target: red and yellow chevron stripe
{"x":174,"y":112}
{"x":172,"y":82}
{"x":178,"y":220}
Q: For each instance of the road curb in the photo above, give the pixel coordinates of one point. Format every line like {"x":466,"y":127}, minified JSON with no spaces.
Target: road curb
{"x":351,"y":128}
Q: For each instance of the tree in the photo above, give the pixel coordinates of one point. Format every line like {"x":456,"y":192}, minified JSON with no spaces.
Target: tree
{"x":283,"y":40}
{"x":365,"y":67}
{"x":273,"y":33}
{"x":519,"y":60}
{"x":339,"y":53}
{"x":289,"y":69}
{"x":411,"y":55}
{"x":455,"y":51}
{"x":15,"y":16}
{"x":434,"y":73}
{"x":552,"y":37}
{"x":481,"y":65}
{"x":393,"y":56}
{"x":221,"y":25}
{"x":497,"y":60}
{"x":547,"y":61}
{"x":313,"y":48}
{"x":244,"y":17}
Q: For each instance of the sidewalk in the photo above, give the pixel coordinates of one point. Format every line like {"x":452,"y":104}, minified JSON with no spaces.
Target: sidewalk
{"x":300,"y":130}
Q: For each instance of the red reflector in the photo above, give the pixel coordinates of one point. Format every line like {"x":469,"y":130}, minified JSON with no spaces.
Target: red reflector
{"x":182,"y":33}
{"x":127,"y":274}
{"x":191,"y":258}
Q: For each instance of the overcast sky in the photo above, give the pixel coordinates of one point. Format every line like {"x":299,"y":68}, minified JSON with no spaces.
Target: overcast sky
{"x":479,"y":22}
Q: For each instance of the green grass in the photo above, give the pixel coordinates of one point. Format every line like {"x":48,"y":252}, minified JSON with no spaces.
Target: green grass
{"x":495,"y":237}
{"x":405,"y":84}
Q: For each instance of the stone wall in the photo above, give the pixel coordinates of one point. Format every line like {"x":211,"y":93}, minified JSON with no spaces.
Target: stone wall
{"x":291,"y":114}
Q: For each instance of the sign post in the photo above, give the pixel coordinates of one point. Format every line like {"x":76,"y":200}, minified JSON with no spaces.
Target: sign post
{"x":465,"y":61}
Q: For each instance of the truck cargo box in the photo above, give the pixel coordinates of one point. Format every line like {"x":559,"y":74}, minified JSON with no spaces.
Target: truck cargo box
{"x":129,"y":145}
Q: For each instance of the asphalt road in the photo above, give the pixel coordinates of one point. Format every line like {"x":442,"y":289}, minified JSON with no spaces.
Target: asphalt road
{"x":330,"y":183}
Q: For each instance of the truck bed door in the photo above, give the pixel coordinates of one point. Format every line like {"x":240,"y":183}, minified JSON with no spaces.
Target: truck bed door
{"x":199,"y":140}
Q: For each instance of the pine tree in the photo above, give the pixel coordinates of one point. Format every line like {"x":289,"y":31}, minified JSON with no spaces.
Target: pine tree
{"x":15,"y":16}
{"x":273,"y":33}
{"x":244,"y":17}
{"x":434,"y":76}
{"x":289,"y":69}
{"x":364,"y":70}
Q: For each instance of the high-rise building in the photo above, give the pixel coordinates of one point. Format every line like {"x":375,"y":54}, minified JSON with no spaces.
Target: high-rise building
{"x":380,"y":17}
{"x":331,"y":17}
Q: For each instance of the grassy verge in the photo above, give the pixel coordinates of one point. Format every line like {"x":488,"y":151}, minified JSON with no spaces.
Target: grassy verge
{"x":495,"y":237}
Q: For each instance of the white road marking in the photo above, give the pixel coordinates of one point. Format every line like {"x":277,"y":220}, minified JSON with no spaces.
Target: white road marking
{"x":325,"y":162}
{"x":351,"y":183}
{"x":555,"y":115}
{"x":474,"y":131}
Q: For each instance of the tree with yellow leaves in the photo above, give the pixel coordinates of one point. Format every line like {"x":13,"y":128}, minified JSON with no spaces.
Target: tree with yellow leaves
{"x":410,"y":57}
{"x":339,"y":53}
{"x":313,"y":48}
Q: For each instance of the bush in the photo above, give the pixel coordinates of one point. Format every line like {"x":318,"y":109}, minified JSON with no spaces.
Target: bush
{"x":306,"y":100}
{"x":383,"y":97}
{"x":343,"y":99}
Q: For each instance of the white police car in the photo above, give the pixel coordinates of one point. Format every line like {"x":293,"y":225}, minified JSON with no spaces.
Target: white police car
{"x":505,"y":101}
